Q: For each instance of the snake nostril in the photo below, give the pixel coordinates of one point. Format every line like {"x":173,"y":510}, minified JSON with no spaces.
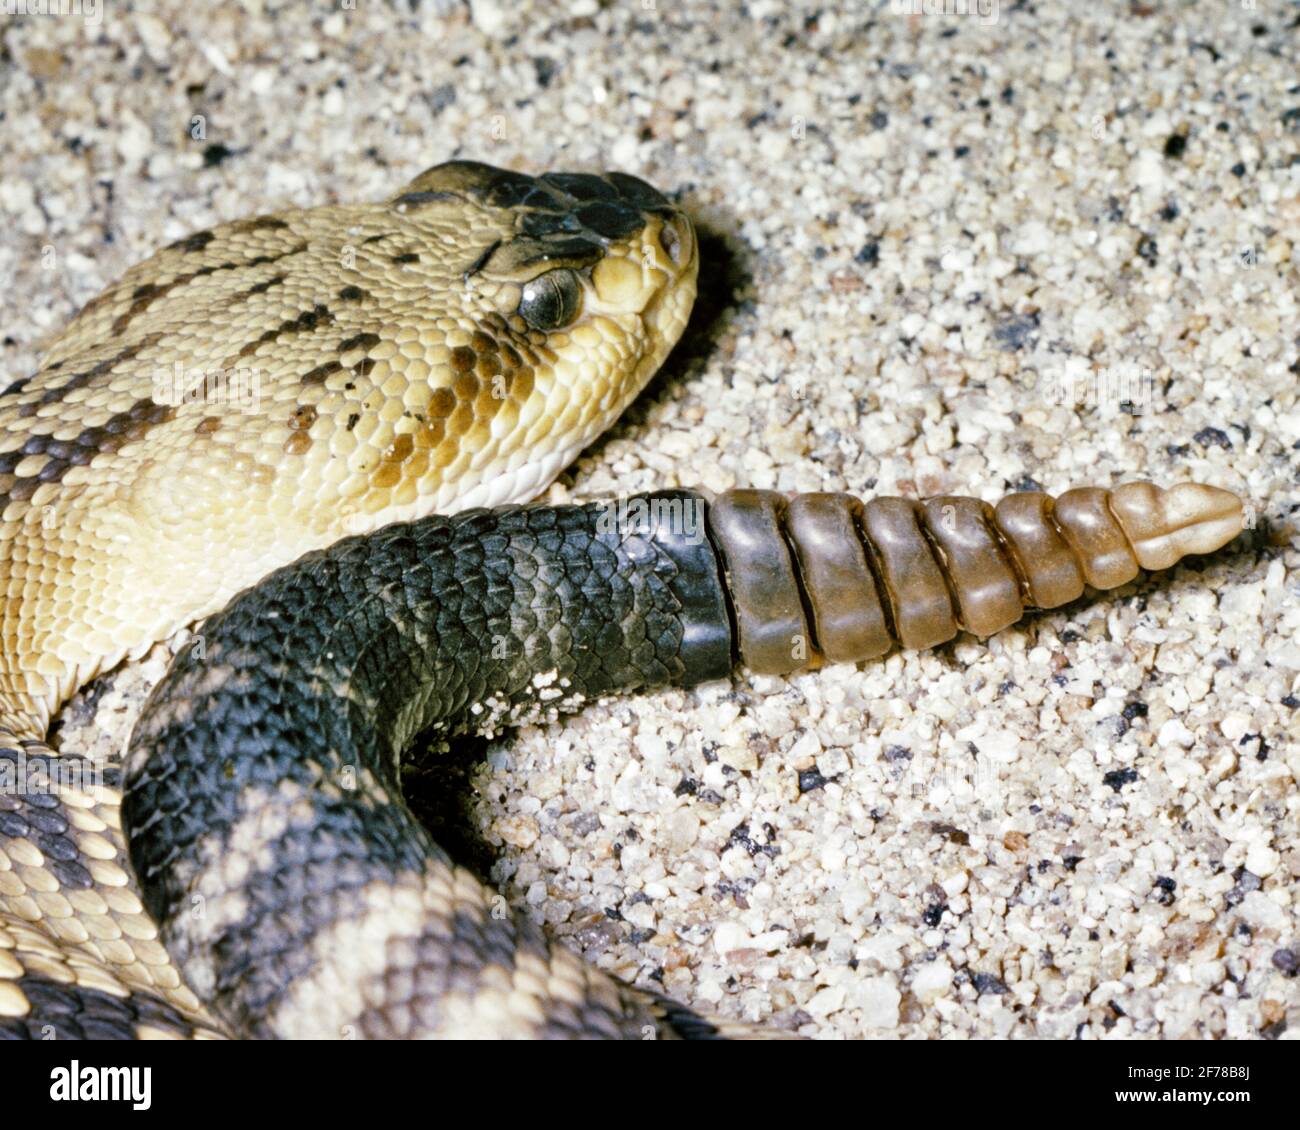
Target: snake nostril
{"x":671,"y":242}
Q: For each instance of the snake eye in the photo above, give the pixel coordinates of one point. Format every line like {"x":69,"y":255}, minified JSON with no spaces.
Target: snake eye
{"x":551,"y":301}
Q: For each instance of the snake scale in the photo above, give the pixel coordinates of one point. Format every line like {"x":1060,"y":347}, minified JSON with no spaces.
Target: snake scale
{"x":349,"y":405}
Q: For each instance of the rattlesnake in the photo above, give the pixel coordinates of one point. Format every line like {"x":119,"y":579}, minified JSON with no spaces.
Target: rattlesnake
{"x":250,"y":395}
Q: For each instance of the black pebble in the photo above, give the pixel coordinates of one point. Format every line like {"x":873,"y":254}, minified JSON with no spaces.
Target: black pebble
{"x":988,"y":983}
{"x":1118,"y":778}
{"x":214,"y":154}
{"x":810,"y":779}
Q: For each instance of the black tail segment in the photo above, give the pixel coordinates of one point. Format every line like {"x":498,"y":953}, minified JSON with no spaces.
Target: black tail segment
{"x":677,"y":522}
{"x":262,"y":811}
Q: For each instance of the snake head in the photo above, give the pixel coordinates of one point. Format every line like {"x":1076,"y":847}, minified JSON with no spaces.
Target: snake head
{"x":570,"y":290}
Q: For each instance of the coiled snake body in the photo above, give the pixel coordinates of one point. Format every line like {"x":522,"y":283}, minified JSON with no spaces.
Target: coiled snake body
{"x":247,"y":397}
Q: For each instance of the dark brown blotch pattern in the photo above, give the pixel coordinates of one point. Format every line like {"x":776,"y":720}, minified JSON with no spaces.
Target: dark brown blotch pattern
{"x":297,"y":443}
{"x":305,"y":322}
{"x":145,"y":295}
{"x":57,"y":393}
{"x":317,"y":375}
{"x":192,"y":243}
{"x":259,"y":223}
{"x":360,"y":341}
{"x":111,"y":436}
{"x":442,"y":403}
{"x":389,"y":472}
{"x":417,"y":199}
{"x":262,"y":287}
{"x":485,"y":373}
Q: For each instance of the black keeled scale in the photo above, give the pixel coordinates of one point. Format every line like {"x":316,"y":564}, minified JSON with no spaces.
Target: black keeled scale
{"x":455,"y":625}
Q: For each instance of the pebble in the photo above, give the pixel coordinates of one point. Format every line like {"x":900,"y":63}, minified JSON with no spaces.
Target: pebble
{"x":1262,"y":860}
{"x":1261,"y":912}
{"x":932,"y":981}
{"x":826,"y":1001}
{"x":683,"y":830}
{"x":878,"y":999}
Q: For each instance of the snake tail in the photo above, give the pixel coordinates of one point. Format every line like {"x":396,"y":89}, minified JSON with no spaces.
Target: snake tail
{"x":263,"y":812}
